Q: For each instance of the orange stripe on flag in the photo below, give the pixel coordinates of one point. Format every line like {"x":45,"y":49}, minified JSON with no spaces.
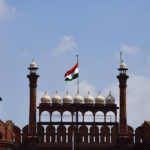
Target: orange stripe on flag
{"x":71,"y":70}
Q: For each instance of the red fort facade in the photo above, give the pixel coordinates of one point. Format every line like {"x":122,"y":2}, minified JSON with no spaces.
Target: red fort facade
{"x":75,"y":124}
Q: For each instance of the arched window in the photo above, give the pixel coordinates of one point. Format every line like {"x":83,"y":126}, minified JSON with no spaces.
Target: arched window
{"x":88,"y":116}
{"x":110,"y":116}
{"x":67,"y":116}
{"x":56,"y":116}
{"x":105,"y":134}
{"x":99,"y":116}
{"x":80,"y":117}
{"x":45,"y":116}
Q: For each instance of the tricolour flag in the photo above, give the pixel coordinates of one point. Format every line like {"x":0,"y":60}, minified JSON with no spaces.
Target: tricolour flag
{"x":72,"y":73}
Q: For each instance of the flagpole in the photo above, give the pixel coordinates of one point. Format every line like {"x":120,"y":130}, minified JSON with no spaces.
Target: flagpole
{"x":78,"y":74}
{"x":77,"y":93}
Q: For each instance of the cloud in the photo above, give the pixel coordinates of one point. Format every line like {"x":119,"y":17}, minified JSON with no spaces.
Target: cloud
{"x":138,"y":102}
{"x":66,"y":44}
{"x":5,"y":10}
{"x":129,"y":49}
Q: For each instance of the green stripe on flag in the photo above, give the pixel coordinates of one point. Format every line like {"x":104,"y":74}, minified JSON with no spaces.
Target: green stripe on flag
{"x":73,"y":77}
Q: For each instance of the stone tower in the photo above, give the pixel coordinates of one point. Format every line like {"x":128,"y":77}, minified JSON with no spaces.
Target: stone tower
{"x":32,"y":110}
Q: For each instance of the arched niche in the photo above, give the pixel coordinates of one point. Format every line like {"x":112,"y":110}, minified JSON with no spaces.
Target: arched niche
{"x":88,"y":116}
{"x":45,"y":116}
{"x":56,"y":116}
{"x":80,"y":116}
{"x":40,"y":131}
{"x":72,"y":130}
{"x":67,"y":116}
{"x":94,"y":134}
{"x":114,"y":133}
{"x":61,"y":134}
{"x":110,"y":116}
{"x":83,"y":134}
{"x":99,"y":116}
{"x":105,"y":135}
{"x":50,"y":134}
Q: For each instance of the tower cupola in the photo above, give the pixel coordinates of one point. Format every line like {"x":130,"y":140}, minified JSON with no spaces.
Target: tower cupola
{"x":33,"y":67}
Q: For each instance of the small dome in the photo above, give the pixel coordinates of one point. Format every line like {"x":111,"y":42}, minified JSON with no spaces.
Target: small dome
{"x":99,"y":99}
{"x":45,"y":98}
{"x":78,"y":99}
{"x":33,"y":65}
{"x":110,"y":99}
{"x":67,"y":98}
{"x":56,"y":98}
{"x":123,"y":66}
{"x":88,"y":99}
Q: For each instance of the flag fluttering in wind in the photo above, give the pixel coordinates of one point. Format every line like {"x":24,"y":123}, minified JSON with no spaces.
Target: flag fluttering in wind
{"x":72,"y":73}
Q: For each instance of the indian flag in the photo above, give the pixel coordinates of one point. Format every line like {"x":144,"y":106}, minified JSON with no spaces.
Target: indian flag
{"x":72,"y":73}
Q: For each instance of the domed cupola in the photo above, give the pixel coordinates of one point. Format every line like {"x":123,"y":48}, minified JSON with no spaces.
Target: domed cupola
{"x":110,"y":99}
{"x":89,"y":99}
{"x":67,"y":99}
{"x":123,"y":66}
{"x":45,"y":98}
{"x":56,"y":99}
{"x":33,"y":65}
{"x":99,"y":99}
{"x":78,"y":99}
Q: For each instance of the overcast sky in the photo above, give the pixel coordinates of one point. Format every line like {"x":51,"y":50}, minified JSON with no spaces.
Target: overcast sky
{"x":52,"y":32}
